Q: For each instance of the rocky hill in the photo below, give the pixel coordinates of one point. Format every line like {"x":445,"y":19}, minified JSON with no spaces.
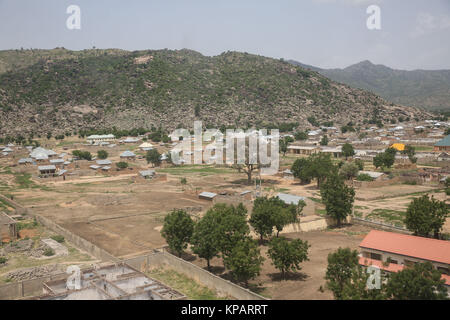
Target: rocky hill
{"x":428,"y":89}
{"x":59,"y":90}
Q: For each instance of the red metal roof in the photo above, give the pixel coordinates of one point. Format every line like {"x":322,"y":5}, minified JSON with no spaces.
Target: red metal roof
{"x":406,"y":245}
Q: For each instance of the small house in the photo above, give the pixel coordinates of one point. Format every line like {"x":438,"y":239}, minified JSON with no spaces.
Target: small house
{"x":147,"y":174}
{"x":443,"y":145}
{"x":50,"y":169}
{"x":128,"y":155}
{"x":207,"y":195}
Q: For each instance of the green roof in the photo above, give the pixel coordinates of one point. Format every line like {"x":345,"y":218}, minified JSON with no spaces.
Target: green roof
{"x":444,"y":142}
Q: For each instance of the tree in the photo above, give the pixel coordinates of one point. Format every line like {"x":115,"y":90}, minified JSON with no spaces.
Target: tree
{"x":410,"y":151}
{"x":204,"y":239}
{"x":270,"y":213}
{"x":301,"y":135}
{"x":425,"y":215}
{"x":177,"y":230}
{"x":360,"y":164}
{"x":378,"y":161}
{"x":349,"y":171}
{"x":341,"y":267}
{"x":231,"y":226}
{"x":287,"y":255}
{"x":262,"y":218}
{"x":389,"y":157}
{"x":153,"y":157}
{"x":301,"y":170}
{"x":244,"y":261}
{"x":122,"y":165}
{"x":357,"y":289}
{"x":385,"y":159}
{"x":321,"y":167}
{"x":102,"y":154}
{"x":286,"y":213}
{"x":283,"y":146}
{"x":420,"y":282}
{"x":347,"y":150}
{"x":324,"y":141}
{"x":86,"y":155}
{"x":337,"y":197}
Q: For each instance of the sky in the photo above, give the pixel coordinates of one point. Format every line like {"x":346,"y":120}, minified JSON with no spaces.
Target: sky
{"x":414,"y":34}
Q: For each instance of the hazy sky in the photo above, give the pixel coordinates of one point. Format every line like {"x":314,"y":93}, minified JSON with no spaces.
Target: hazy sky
{"x":415,"y":34}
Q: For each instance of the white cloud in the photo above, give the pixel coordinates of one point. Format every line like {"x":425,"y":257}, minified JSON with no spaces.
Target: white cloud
{"x":427,"y":23}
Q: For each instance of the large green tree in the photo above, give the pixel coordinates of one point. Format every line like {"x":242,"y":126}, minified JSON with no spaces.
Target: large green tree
{"x":152,"y":156}
{"x":340,"y":270}
{"x":177,"y":230}
{"x":231,"y":226}
{"x":287,"y":255}
{"x":348,"y":150}
{"x":337,"y":197}
{"x":426,"y":215}
{"x":204,"y":240}
{"x":270,"y":213}
{"x":244,"y":260}
{"x":349,"y":170}
{"x":321,"y":167}
{"x":420,"y":282}
{"x":301,"y":170}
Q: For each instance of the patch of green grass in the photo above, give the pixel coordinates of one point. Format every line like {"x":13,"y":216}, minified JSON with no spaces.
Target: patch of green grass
{"x":389,"y":216}
{"x":423,"y":148}
{"x":358,"y":214}
{"x":24,"y":180}
{"x":321,"y":212}
{"x":187,"y":286}
{"x":26,"y":225}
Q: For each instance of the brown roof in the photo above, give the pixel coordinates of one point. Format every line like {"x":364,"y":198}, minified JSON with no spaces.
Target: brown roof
{"x":406,"y":245}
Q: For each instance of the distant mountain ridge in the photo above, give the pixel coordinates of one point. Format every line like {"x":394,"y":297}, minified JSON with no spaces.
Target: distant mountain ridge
{"x":428,"y":89}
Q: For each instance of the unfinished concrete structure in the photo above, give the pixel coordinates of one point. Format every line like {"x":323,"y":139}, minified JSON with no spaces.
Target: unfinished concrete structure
{"x":111,"y":282}
{"x":8,"y":228}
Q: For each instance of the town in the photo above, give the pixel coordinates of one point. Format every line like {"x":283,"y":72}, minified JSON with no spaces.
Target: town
{"x":63,"y":196}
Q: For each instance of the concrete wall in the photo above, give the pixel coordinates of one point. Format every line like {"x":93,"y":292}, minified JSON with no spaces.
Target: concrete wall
{"x":27,"y":288}
{"x":167,"y":260}
{"x":79,"y":242}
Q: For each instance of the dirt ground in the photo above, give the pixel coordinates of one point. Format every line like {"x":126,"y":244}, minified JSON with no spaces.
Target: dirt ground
{"x":306,"y":283}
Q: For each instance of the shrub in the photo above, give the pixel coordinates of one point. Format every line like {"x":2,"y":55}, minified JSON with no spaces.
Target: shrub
{"x":102,"y":154}
{"x":122,"y":165}
{"x":49,"y":252}
{"x":364,"y":177}
{"x":58,"y":238}
{"x":3,"y":260}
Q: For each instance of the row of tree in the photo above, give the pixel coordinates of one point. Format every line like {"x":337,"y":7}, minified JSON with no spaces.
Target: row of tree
{"x":223,"y":232}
